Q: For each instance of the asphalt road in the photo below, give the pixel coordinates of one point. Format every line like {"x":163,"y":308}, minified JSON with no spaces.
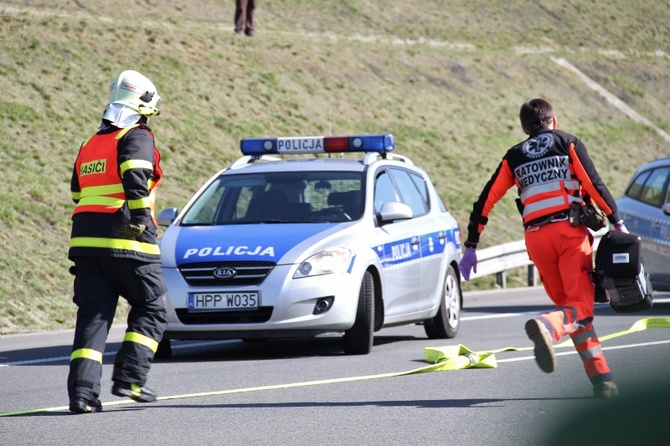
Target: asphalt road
{"x":308,"y":393}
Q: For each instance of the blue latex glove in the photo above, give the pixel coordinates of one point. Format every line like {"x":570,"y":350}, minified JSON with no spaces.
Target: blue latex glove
{"x":468,"y":263}
{"x":621,"y":228}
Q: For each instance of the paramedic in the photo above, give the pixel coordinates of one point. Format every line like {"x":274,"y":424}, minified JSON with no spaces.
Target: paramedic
{"x":553,"y":173}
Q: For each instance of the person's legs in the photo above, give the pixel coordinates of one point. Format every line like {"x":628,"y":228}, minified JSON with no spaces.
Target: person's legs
{"x":541,"y":331}
{"x":563,"y":256}
{"x":240,"y":15}
{"x":575,"y":265}
{"x":143,"y":286}
{"x":251,"y":6}
{"x":588,"y":346}
{"x":96,"y":300}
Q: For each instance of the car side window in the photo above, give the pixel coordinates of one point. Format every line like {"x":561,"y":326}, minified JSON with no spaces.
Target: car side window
{"x":655,"y":186}
{"x":409,"y":192}
{"x":635,"y":189}
{"x":384,"y":190}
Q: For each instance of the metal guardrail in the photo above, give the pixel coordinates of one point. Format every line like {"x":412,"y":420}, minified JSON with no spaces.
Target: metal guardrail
{"x":501,"y":258}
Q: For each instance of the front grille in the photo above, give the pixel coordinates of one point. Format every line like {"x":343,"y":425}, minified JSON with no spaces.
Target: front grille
{"x":248,"y":273}
{"x":263,"y":314}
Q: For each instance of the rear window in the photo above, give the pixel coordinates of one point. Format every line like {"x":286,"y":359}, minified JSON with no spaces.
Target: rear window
{"x":635,"y":189}
{"x":652,"y":187}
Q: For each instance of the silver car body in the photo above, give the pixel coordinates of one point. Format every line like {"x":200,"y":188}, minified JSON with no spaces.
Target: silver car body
{"x":412,"y":258}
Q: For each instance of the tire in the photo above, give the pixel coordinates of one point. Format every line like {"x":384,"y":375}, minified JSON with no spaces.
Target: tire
{"x":446,"y":322}
{"x":358,"y":339}
{"x":164,"y":349}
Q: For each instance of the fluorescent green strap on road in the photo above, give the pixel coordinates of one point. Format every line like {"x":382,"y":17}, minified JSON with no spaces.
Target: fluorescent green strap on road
{"x":460,"y":357}
{"x":453,"y":357}
{"x":642,"y":324}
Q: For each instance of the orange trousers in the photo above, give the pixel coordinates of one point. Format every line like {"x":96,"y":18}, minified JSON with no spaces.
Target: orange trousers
{"x":563,"y":257}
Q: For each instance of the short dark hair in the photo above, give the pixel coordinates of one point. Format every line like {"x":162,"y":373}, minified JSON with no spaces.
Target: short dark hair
{"x":536,"y":115}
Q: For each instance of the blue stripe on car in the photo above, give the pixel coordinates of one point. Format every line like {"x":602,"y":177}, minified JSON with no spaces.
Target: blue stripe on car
{"x":402,"y":251}
{"x":241,"y":242}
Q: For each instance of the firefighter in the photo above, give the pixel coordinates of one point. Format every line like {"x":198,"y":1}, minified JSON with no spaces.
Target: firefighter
{"x":554,"y":177}
{"x":113,"y":246}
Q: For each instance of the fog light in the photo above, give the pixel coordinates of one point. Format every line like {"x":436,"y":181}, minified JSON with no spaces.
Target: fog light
{"x":323,"y":304}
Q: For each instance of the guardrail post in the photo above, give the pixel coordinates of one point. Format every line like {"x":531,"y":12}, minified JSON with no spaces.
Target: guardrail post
{"x":532,"y":275}
{"x":501,"y":279}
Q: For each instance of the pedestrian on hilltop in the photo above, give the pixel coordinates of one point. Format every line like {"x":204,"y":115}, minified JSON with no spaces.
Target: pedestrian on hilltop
{"x":244,"y":16}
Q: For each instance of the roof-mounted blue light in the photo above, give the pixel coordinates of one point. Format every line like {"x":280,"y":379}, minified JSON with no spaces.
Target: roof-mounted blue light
{"x":317,"y":144}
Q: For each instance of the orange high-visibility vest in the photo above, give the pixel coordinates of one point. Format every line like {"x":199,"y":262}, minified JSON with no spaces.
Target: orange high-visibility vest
{"x":549,"y":198}
{"x":99,"y":174}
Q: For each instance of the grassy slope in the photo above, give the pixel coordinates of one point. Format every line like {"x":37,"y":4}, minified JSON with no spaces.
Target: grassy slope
{"x":446,"y":78}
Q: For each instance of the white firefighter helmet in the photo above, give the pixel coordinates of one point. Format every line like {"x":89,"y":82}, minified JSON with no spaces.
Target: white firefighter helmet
{"x":135,"y":91}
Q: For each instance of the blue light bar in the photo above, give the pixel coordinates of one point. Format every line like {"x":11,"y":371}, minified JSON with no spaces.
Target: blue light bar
{"x":317,"y":144}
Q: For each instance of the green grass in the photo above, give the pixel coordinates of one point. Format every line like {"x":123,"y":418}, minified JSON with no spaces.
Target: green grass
{"x":447,"y":78}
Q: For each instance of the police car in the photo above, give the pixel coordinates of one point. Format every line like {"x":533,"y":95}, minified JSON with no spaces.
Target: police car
{"x":297,"y":239}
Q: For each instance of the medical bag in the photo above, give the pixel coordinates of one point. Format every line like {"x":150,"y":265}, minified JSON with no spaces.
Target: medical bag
{"x":619,"y":274}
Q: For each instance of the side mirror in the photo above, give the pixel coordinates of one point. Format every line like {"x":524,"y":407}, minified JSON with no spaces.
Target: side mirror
{"x":666,"y":208}
{"x":167,"y":216}
{"x":393,"y":210}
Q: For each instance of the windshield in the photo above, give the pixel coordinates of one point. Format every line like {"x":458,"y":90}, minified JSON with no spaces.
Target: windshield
{"x":279,"y":197}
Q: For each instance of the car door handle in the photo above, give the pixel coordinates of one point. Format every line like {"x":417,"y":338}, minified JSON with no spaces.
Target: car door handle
{"x":415,"y":241}
{"x":656,"y":226}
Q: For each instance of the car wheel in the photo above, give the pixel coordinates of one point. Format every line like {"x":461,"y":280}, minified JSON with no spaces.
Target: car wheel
{"x":164,"y":349}
{"x":448,"y":318}
{"x":358,"y":339}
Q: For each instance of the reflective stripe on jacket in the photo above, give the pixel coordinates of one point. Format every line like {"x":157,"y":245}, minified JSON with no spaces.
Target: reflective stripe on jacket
{"x":547,"y":186}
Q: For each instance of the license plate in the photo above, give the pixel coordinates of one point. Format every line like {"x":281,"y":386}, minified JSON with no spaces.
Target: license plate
{"x":224,"y":301}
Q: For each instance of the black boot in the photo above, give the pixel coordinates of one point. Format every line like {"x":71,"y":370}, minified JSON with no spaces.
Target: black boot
{"x":83,"y":405}
{"x":134,"y":392}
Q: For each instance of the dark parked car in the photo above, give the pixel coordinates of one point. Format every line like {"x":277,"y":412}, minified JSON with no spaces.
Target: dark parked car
{"x":645,"y":207}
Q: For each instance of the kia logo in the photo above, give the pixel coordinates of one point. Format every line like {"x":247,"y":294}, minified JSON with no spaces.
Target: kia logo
{"x":224,"y":273}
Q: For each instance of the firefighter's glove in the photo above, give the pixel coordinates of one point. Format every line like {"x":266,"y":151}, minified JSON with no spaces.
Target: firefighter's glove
{"x":621,"y":227}
{"x":468,"y":263}
{"x":132,"y":231}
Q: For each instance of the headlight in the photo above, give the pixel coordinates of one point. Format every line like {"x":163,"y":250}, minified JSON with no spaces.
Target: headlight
{"x":328,"y":261}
